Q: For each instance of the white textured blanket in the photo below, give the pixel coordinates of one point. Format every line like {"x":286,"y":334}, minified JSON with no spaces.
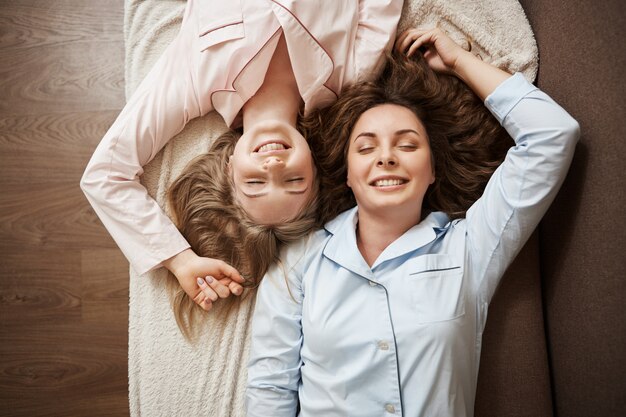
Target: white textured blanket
{"x":167,"y":376}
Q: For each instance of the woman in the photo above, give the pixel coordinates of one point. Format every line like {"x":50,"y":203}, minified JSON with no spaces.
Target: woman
{"x":382,"y":312}
{"x":257,"y":63}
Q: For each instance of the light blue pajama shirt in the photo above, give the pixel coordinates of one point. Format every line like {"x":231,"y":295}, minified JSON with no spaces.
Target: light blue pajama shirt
{"x":404,"y":336}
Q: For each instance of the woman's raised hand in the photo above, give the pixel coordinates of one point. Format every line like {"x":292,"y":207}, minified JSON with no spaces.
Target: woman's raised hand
{"x":440,"y":52}
{"x":443,"y":55}
{"x":204,"y":280}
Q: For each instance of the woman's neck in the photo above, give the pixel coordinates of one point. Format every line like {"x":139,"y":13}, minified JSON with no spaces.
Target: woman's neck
{"x":278,"y":98}
{"x":374,"y":234}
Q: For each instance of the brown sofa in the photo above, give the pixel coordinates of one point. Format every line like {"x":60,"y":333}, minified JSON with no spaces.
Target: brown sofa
{"x":555,"y":342}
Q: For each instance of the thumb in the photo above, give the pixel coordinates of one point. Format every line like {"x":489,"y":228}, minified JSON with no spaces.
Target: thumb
{"x":230,"y":272}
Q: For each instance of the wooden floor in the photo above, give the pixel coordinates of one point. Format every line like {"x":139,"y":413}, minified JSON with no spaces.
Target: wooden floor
{"x":63,"y":282}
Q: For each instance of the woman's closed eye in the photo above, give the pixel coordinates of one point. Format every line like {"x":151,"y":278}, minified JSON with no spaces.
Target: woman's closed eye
{"x":365,"y":149}
{"x":408,"y":146}
{"x":296,"y":180}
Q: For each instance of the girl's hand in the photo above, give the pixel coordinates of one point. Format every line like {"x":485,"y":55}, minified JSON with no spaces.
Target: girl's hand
{"x":211,"y":289}
{"x":441,"y":53}
{"x":204,"y":280}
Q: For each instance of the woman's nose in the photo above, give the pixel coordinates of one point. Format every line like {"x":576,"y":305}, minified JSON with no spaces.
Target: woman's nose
{"x":386,"y":159}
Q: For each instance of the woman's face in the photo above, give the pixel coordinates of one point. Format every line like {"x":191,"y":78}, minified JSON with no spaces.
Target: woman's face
{"x":273,"y":172}
{"x":389,"y":162}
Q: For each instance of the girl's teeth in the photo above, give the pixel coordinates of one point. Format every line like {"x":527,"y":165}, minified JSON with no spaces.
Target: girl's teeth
{"x":271,"y":147}
{"x":387,"y":183}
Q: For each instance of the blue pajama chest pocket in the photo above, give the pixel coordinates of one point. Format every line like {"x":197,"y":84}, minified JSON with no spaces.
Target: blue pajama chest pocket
{"x":435,"y":284}
{"x":219,"y":21}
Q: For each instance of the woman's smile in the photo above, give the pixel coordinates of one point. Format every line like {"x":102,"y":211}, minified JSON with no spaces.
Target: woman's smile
{"x":389,"y":162}
{"x":389,"y":183}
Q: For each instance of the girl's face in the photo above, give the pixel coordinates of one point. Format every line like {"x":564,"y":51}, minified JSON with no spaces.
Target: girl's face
{"x":273,"y":172}
{"x":389,"y":162}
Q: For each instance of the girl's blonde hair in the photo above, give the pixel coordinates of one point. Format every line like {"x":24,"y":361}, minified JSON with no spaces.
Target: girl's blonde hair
{"x":205,"y":211}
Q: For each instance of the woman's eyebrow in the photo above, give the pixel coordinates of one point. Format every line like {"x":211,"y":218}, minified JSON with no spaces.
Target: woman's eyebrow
{"x":366,"y":134}
{"x":397,"y":133}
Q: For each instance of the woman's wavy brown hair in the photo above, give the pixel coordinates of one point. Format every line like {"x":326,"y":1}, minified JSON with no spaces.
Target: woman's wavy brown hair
{"x":467,"y":142}
{"x":205,"y":211}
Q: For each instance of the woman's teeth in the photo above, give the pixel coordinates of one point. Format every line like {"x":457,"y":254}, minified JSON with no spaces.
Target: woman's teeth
{"x":272,"y":147}
{"x":388,"y":182}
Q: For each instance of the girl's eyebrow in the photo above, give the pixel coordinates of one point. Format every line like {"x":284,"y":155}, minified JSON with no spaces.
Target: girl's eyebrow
{"x":257,"y":195}
{"x":397,"y":133}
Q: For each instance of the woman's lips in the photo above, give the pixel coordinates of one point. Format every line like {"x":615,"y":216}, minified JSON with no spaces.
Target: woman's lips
{"x":384,"y":182}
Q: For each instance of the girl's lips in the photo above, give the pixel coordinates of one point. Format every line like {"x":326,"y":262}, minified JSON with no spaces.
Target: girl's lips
{"x":272,"y":145}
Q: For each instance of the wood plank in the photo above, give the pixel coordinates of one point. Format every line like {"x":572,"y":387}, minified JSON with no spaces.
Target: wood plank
{"x":46,"y":23}
{"x":47,"y":354}
{"x":63,"y":286}
{"x":49,"y":215}
{"x":66,"y":368}
{"x":51,"y":147}
{"x":68,"y":72}
{"x":105,"y":287}
{"x":63,"y":299}
{"x":39,"y":286}
{"x":62,"y":80}
{"x":66,"y":404}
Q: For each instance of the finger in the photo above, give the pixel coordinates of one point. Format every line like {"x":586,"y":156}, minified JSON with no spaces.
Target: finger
{"x":416,"y":46}
{"x":407,"y":40}
{"x":235,"y":288}
{"x":400,"y":39}
{"x":198,"y":299}
{"x":411,"y":37}
{"x":203,"y":302}
{"x":206,"y":290}
{"x":221,"y":290}
{"x":425,"y":38}
{"x":207,"y":304}
{"x":230,"y":272}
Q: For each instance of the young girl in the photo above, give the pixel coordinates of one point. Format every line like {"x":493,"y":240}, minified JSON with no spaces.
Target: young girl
{"x":382,"y":312}
{"x":257,"y":63}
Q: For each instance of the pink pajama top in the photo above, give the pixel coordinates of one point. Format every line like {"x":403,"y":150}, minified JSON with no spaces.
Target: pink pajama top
{"x":217,"y":62}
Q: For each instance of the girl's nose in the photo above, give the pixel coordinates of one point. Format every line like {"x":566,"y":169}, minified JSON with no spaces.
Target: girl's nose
{"x":272,"y":162}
